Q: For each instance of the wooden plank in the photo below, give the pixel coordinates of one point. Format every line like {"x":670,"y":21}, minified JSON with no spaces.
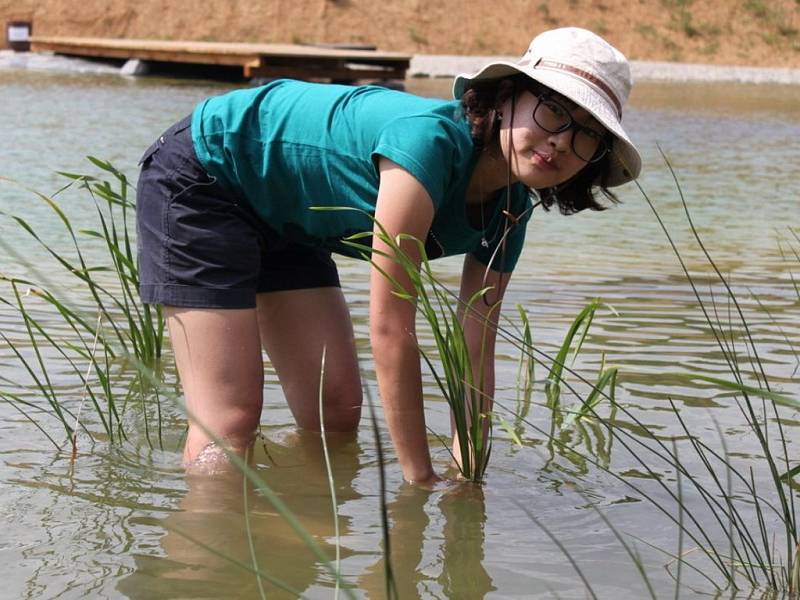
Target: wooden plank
{"x":148,"y":54}
{"x":236,"y":48}
{"x":262,"y":60}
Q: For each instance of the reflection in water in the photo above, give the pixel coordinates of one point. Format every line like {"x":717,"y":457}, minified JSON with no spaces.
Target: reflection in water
{"x":207,"y":552}
{"x":463,"y":574}
{"x":207,"y":536}
{"x":457,"y":570}
{"x":102,"y":534}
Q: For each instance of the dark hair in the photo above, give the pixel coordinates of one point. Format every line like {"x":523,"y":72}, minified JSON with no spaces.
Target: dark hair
{"x":478,"y":104}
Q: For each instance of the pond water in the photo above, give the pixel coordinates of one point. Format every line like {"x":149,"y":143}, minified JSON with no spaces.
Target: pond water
{"x":125,"y":522}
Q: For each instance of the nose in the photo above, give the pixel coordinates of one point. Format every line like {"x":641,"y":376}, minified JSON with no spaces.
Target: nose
{"x":561,"y":141}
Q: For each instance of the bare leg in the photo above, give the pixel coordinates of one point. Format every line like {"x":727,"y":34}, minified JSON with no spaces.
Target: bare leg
{"x":295,"y":325}
{"x":218,"y":355}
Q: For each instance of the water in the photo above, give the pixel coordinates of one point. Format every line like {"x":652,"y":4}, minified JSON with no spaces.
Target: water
{"x":113,"y":525}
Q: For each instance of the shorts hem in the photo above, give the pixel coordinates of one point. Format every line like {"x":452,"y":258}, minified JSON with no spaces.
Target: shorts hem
{"x":285,"y":280}
{"x":194,"y":297}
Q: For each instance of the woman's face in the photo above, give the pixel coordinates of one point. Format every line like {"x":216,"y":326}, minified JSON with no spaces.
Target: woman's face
{"x":540,"y":159}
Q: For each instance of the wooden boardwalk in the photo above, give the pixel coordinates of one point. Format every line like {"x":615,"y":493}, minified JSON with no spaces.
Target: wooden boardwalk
{"x":255,"y":60}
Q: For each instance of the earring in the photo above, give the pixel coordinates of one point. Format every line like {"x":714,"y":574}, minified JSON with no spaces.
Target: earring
{"x":498,"y":116}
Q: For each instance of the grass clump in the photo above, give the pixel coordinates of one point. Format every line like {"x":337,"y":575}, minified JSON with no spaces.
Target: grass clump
{"x":460,"y":386}
{"x":103,"y":345}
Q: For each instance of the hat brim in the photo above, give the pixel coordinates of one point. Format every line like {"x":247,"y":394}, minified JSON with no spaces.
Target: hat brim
{"x":626,"y":163}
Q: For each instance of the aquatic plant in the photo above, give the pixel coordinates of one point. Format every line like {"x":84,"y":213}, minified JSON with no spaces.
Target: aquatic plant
{"x":731,"y":506}
{"x":727,"y":521}
{"x":116,"y":332}
{"x":460,"y":386}
{"x":738,"y":510}
{"x":752,"y":552}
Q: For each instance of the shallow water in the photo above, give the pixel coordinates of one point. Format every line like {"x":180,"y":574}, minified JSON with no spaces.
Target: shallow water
{"x":115,"y":524}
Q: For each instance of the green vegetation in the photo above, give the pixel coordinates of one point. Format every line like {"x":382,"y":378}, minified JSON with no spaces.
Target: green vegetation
{"x":732,"y":534}
{"x":758,"y":8}
{"x":103,"y":345}
{"x":460,"y":386}
{"x":416,"y":37}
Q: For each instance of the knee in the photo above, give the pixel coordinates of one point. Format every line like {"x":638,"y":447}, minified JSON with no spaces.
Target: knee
{"x":341,"y":408}
{"x":342,"y":405}
{"x":343,"y":417}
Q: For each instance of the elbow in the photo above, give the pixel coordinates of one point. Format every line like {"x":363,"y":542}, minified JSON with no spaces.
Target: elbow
{"x":383,"y":333}
{"x":389,"y":338}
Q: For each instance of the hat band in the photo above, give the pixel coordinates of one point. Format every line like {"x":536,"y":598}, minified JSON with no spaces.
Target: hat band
{"x":551,"y":64}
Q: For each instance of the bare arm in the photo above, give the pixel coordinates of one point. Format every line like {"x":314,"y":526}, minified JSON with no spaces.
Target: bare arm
{"x":480,"y":322}
{"x":403,"y":206}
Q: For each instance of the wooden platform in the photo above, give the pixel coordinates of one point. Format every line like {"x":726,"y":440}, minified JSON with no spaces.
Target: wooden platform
{"x":255,"y":60}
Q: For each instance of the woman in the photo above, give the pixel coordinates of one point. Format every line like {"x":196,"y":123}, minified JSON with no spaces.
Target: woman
{"x":229,"y":246}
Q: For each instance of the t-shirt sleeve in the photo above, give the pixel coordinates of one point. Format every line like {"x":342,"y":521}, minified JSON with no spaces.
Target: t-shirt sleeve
{"x":505,"y":259}
{"x":425,"y":146}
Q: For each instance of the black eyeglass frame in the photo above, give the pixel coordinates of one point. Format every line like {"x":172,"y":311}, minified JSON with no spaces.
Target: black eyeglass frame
{"x":604,"y":143}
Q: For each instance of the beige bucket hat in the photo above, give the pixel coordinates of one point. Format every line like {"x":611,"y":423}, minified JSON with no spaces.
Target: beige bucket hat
{"x":583,"y":67}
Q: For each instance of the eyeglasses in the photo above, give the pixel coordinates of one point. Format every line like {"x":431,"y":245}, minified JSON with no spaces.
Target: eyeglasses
{"x":588,"y":144}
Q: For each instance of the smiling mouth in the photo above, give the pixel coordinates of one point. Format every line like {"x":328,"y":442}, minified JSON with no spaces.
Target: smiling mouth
{"x":544,"y":160}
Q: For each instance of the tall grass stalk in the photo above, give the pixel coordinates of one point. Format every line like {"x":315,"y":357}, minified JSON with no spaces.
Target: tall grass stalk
{"x":131,"y":331}
{"x":329,"y":469}
{"x":388,"y":573}
{"x":580,"y":325}
{"x":526,"y":371}
{"x":251,"y":544}
{"x":787,"y":502}
{"x":469,"y":406}
{"x":679,"y":486}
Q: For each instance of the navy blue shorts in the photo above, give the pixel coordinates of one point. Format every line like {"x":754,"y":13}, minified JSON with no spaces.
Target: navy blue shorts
{"x":202,"y":246}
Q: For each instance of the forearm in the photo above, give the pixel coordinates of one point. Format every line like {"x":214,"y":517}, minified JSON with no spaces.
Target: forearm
{"x":397,"y":364}
{"x":479,"y":334}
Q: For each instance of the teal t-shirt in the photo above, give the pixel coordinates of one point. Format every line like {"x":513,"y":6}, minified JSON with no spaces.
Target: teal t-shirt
{"x":289,"y":146}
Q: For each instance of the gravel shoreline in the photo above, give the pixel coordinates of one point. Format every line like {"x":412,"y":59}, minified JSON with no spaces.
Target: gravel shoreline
{"x":439,"y":65}
{"x":430,"y":65}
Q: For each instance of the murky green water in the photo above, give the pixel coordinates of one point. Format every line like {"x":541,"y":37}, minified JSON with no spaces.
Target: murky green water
{"x":113,"y":525}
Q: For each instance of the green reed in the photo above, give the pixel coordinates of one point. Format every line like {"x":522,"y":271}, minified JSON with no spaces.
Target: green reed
{"x":460,"y":386}
{"x":730,"y":499}
{"x":767,"y":560}
{"x":736,"y":506}
{"x":116,"y":331}
{"x":607,"y":378}
{"x":731,"y":504}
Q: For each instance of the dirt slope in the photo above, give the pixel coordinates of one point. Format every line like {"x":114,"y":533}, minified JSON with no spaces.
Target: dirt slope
{"x":739,"y":32}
